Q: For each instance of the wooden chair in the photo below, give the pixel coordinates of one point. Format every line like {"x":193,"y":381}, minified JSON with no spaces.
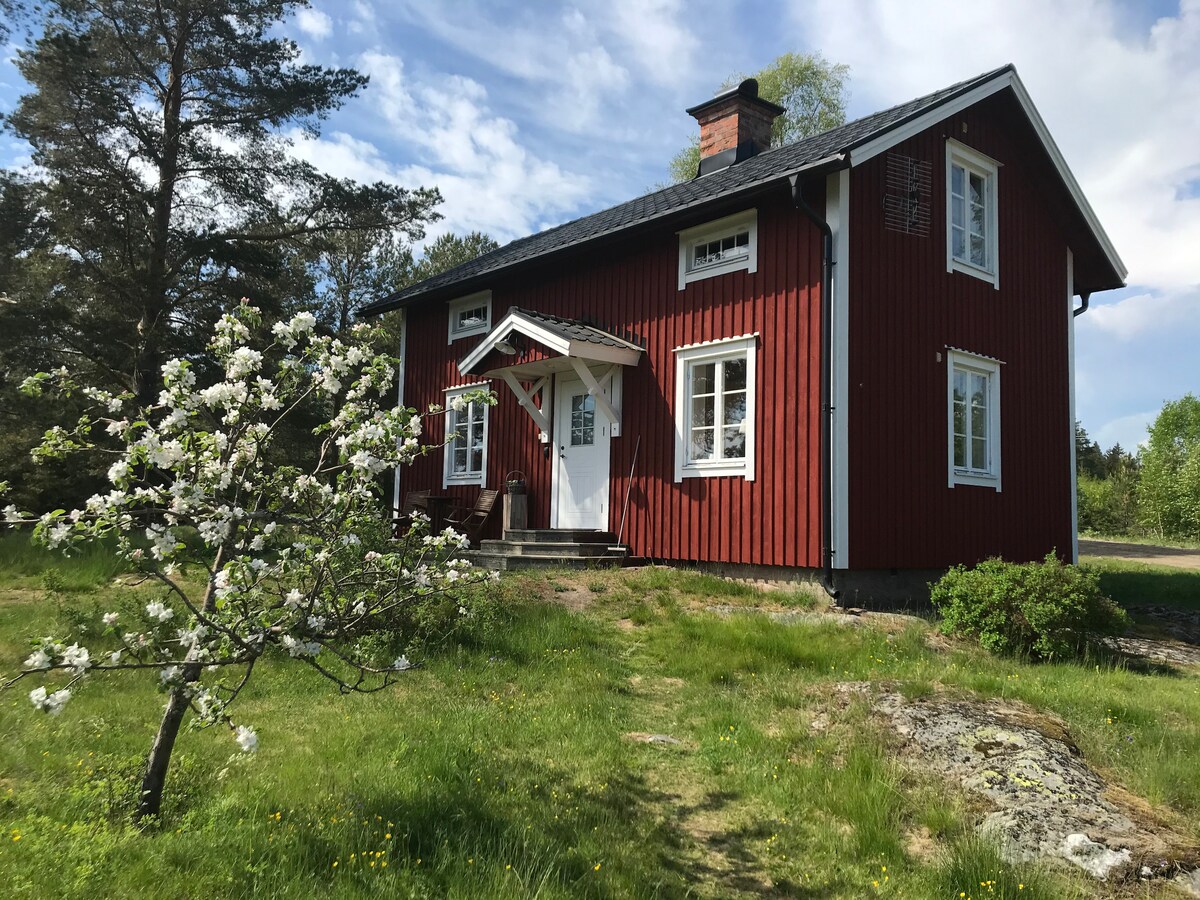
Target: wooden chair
{"x":414,"y":501}
{"x":470,"y":520}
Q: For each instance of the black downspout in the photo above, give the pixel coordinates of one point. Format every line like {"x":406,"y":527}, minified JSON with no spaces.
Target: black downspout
{"x":826,"y":387}
{"x":1084,"y":306}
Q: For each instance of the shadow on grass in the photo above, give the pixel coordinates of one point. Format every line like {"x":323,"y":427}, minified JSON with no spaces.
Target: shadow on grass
{"x":627,"y":839}
{"x":1133,"y":585}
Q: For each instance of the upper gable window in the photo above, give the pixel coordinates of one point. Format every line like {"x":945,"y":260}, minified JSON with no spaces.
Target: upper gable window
{"x":971,"y":213}
{"x":470,"y":315}
{"x":714,"y":248}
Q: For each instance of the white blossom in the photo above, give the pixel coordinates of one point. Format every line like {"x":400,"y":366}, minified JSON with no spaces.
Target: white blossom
{"x":53,"y":703}
{"x":155,"y":609}
{"x":296,"y":647}
{"x":401,"y":663}
{"x":190,"y":637}
{"x":169,"y":674}
{"x":77,"y":659}
{"x":246,"y":739}
{"x":110,"y":618}
{"x":242,"y":362}
{"x":38,"y":659}
{"x":10,"y":514}
{"x":293,"y":599}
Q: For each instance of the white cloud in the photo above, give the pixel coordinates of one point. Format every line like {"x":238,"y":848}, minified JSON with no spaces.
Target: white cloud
{"x":314,"y":23}
{"x":657,"y":37}
{"x":362,"y":19}
{"x":1128,"y":431}
{"x":489,"y":180}
{"x":579,"y":66}
{"x":1120,"y":101}
{"x":1132,"y":318}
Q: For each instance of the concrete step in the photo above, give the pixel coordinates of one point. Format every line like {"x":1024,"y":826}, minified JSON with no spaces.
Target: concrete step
{"x":501,"y":563}
{"x":546,"y":548}
{"x":560,"y":535}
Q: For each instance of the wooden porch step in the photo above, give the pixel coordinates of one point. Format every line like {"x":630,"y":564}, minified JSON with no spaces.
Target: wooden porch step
{"x":546,"y":548}
{"x":560,"y":535}
{"x":501,"y":562}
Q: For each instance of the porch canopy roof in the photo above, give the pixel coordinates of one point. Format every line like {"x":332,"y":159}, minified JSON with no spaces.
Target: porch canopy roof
{"x":527,"y":345}
{"x":533,"y":347}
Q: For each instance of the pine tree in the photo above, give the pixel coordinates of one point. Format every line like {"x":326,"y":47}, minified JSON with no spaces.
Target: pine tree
{"x":169,"y":189}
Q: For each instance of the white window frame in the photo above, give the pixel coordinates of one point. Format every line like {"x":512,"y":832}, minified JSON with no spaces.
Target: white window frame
{"x":714,"y":351}
{"x":974,"y":162}
{"x":990,"y":368}
{"x":482,"y":298}
{"x":450,"y":477}
{"x":710,"y":231}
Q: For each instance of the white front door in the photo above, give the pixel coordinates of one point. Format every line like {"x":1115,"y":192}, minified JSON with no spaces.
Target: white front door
{"x":581,"y":445}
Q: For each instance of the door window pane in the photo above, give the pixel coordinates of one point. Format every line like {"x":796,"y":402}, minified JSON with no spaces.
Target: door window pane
{"x":583,"y":420}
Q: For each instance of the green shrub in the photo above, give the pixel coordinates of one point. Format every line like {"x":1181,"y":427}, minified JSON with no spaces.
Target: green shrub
{"x":1045,"y":609}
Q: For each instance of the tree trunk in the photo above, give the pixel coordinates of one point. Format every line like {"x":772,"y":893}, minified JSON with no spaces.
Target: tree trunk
{"x":155,"y":778}
{"x":156,"y":308}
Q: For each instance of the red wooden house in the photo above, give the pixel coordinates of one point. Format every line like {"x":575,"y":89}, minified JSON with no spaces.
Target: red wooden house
{"x":793,"y":362}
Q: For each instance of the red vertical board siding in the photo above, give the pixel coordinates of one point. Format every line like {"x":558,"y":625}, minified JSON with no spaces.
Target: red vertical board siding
{"x":906,"y":309}
{"x":633,"y":287}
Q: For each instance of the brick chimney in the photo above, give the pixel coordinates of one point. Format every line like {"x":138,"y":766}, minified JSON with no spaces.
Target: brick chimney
{"x":734,"y":125}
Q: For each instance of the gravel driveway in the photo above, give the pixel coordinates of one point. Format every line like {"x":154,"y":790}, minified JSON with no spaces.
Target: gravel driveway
{"x":1147,"y":553}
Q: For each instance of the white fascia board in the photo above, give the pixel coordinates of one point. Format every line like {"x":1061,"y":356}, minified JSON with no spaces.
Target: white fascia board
{"x":1068,"y":178}
{"x":837,"y":214}
{"x":624,"y":356}
{"x":512,"y":322}
{"x":1072,"y":437}
{"x":891,"y":138}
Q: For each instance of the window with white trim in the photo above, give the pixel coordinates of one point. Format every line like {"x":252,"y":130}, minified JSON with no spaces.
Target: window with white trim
{"x":466,"y":438}
{"x":973,"y":398}
{"x":715,"y":248}
{"x":714,"y":409}
{"x":971,"y":213}
{"x":470,"y":315}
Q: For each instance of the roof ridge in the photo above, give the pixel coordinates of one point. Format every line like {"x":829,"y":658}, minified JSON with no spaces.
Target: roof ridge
{"x":746,"y":175}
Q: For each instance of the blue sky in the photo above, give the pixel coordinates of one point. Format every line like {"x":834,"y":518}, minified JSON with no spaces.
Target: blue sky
{"x":527,"y":114}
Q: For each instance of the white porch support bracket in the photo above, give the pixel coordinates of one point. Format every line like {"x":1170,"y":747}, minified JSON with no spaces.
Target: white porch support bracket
{"x":594,"y":388}
{"x":525,"y":399}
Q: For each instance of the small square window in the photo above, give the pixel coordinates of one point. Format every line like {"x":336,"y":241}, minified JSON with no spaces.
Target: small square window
{"x":971,"y":213}
{"x":716,"y":248}
{"x":973,"y":401}
{"x":714,"y":414}
{"x":470,"y":315}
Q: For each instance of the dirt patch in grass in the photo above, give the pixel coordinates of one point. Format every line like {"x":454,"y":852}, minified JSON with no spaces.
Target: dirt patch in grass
{"x":718,"y":836}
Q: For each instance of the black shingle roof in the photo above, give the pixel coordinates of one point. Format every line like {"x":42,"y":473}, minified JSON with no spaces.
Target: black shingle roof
{"x":572,"y":329}
{"x":771,"y":165}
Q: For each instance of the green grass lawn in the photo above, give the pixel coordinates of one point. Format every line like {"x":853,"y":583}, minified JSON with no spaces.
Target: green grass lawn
{"x":1134,"y":584}
{"x":507,"y":769}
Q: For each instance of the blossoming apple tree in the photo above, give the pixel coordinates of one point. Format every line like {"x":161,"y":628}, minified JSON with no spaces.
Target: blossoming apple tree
{"x":251,"y":556}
